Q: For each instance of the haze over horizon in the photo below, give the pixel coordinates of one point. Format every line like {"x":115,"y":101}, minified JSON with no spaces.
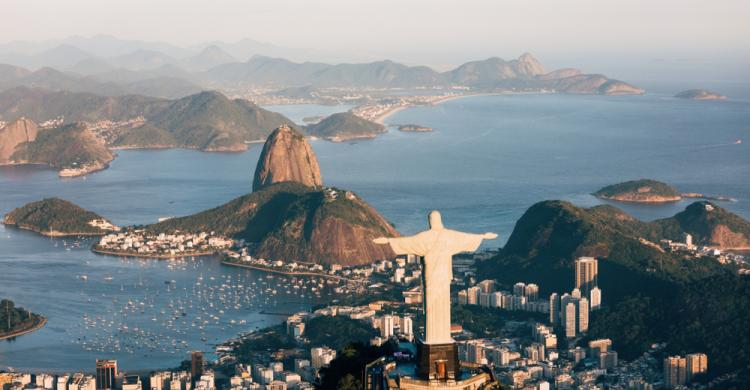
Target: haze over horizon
{"x":675,"y":40}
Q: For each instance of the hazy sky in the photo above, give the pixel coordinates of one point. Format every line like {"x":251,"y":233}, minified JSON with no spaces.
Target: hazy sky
{"x":434,"y":32}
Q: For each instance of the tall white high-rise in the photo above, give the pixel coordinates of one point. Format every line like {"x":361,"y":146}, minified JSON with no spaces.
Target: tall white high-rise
{"x":596,"y":298}
{"x":697,"y":363}
{"x":586,"y":274}
{"x":583,"y":315}
{"x":576,"y":293}
{"x":531,"y":291}
{"x":519,"y":289}
{"x":554,"y":309}
{"x":386,"y":326}
{"x":675,"y":373}
{"x":569,"y":319}
{"x":407,"y":325}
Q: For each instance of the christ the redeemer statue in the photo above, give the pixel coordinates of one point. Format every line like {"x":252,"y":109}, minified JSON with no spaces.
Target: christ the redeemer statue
{"x":437,"y":246}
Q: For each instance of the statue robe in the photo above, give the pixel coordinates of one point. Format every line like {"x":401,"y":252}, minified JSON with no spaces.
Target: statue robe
{"x":437,"y":246}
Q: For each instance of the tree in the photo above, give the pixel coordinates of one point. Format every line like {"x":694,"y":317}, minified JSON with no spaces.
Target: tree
{"x":349,"y":382}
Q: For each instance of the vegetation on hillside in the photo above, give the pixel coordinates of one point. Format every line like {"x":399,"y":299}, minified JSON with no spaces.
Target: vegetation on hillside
{"x":707,"y":223}
{"x":291,"y":221}
{"x":709,"y":316}
{"x":638,"y":190}
{"x":695,"y":304}
{"x":345,"y":371}
{"x":14,"y":319}
{"x":336,"y":332}
{"x":54,"y":215}
{"x":69,"y":146}
{"x":344,"y":125}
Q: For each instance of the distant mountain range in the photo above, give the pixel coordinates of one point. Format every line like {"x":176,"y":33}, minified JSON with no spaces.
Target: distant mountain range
{"x":107,"y":66}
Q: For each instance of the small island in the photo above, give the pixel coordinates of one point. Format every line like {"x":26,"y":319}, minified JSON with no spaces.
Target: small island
{"x":344,"y":126}
{"x":700,"y":94}
{"x":17,"y":321}
{"x":641,"y":191}
{"x":56,"y":217}
{"x":410,"y":128}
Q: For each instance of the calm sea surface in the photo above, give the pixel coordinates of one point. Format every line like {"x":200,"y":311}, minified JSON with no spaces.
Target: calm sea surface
{"x":487,"y":161}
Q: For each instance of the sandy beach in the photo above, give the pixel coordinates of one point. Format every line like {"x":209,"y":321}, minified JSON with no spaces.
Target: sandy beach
{"x":381,"y":119}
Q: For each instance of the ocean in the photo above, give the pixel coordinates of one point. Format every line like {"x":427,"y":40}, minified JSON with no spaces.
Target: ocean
{"x":488,"y":159}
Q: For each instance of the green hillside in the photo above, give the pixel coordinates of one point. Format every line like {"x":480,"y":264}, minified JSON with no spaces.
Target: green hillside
{"x":343,"y":126}
{"x":211,"y":121}
{"x":649,"y":295}
{"x":69,"y":146}
{"x":709,"y":224}
{"x":16,"y":319}
{"x":293,"y":222}
{"x":643,"y":190}
{"x":54,"y":216}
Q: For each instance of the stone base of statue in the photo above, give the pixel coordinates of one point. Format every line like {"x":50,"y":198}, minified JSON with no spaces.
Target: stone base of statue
{"x":437,"y":361}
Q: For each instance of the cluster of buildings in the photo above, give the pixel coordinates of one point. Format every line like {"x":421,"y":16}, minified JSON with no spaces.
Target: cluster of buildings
{"x":539,"y":364}
{"x":139,"y":242}
{"x":275,"y":376}
{"x":570,"y":311}
{"x":403,"y":271}
{"x":110,"y":130}
{"x":107,"y":377}
{"x":523,"y":297}
{"x":680,"y":371}
{"x":688,"y":247}
{"x":375,"y":111}
{"x":389,"y":325}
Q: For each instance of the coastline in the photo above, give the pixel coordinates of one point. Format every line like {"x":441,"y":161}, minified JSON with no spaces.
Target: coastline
{"x":36,"y":326}
{"x":626,"y":200}
{"x":151,"y":256}
{"x":270,"y":270}
{"x":54,"y":233}
{"x":381,"y":119}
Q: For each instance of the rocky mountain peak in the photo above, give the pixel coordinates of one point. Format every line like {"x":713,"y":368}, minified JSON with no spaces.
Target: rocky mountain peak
{"x":15,"y":133}
{"x":287,"y":156}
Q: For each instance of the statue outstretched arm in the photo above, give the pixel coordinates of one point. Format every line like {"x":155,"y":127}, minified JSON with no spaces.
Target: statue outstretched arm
{"x":469,"y":242}
{"x":413,"y":245}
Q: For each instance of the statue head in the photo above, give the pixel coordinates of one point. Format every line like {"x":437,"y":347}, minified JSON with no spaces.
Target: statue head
{"x":435,"y":220}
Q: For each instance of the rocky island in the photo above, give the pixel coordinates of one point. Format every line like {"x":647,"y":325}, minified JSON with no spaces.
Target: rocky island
{"x":17,"y":321}
{"x":700,"y":94}
{"x":414,"y":128}
{"x":345,"y":126}
{"x":642,"y":191}
{"x":58,"y":218}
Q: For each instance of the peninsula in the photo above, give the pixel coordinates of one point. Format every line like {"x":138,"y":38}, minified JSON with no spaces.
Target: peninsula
{"x":290,"y":217}
{"x":17,"y":321}
{"x":56,"y":217}
{"x":641,"y":191}
{"x":72,"y":149}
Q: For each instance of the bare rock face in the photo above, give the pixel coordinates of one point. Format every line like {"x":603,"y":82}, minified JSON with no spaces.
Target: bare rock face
{"x":13,"y":134}
{"x":528,"y":65}
{"x":286,"y":157}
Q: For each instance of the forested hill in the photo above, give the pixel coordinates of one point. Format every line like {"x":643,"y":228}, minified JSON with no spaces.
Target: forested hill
{"x":692,"y":302}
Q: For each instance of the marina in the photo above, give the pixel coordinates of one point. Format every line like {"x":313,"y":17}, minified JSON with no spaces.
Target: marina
{"x":140,"y":311}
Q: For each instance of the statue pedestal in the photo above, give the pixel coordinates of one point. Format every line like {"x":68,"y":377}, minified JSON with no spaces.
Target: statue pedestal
{"x":437,"y":361}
